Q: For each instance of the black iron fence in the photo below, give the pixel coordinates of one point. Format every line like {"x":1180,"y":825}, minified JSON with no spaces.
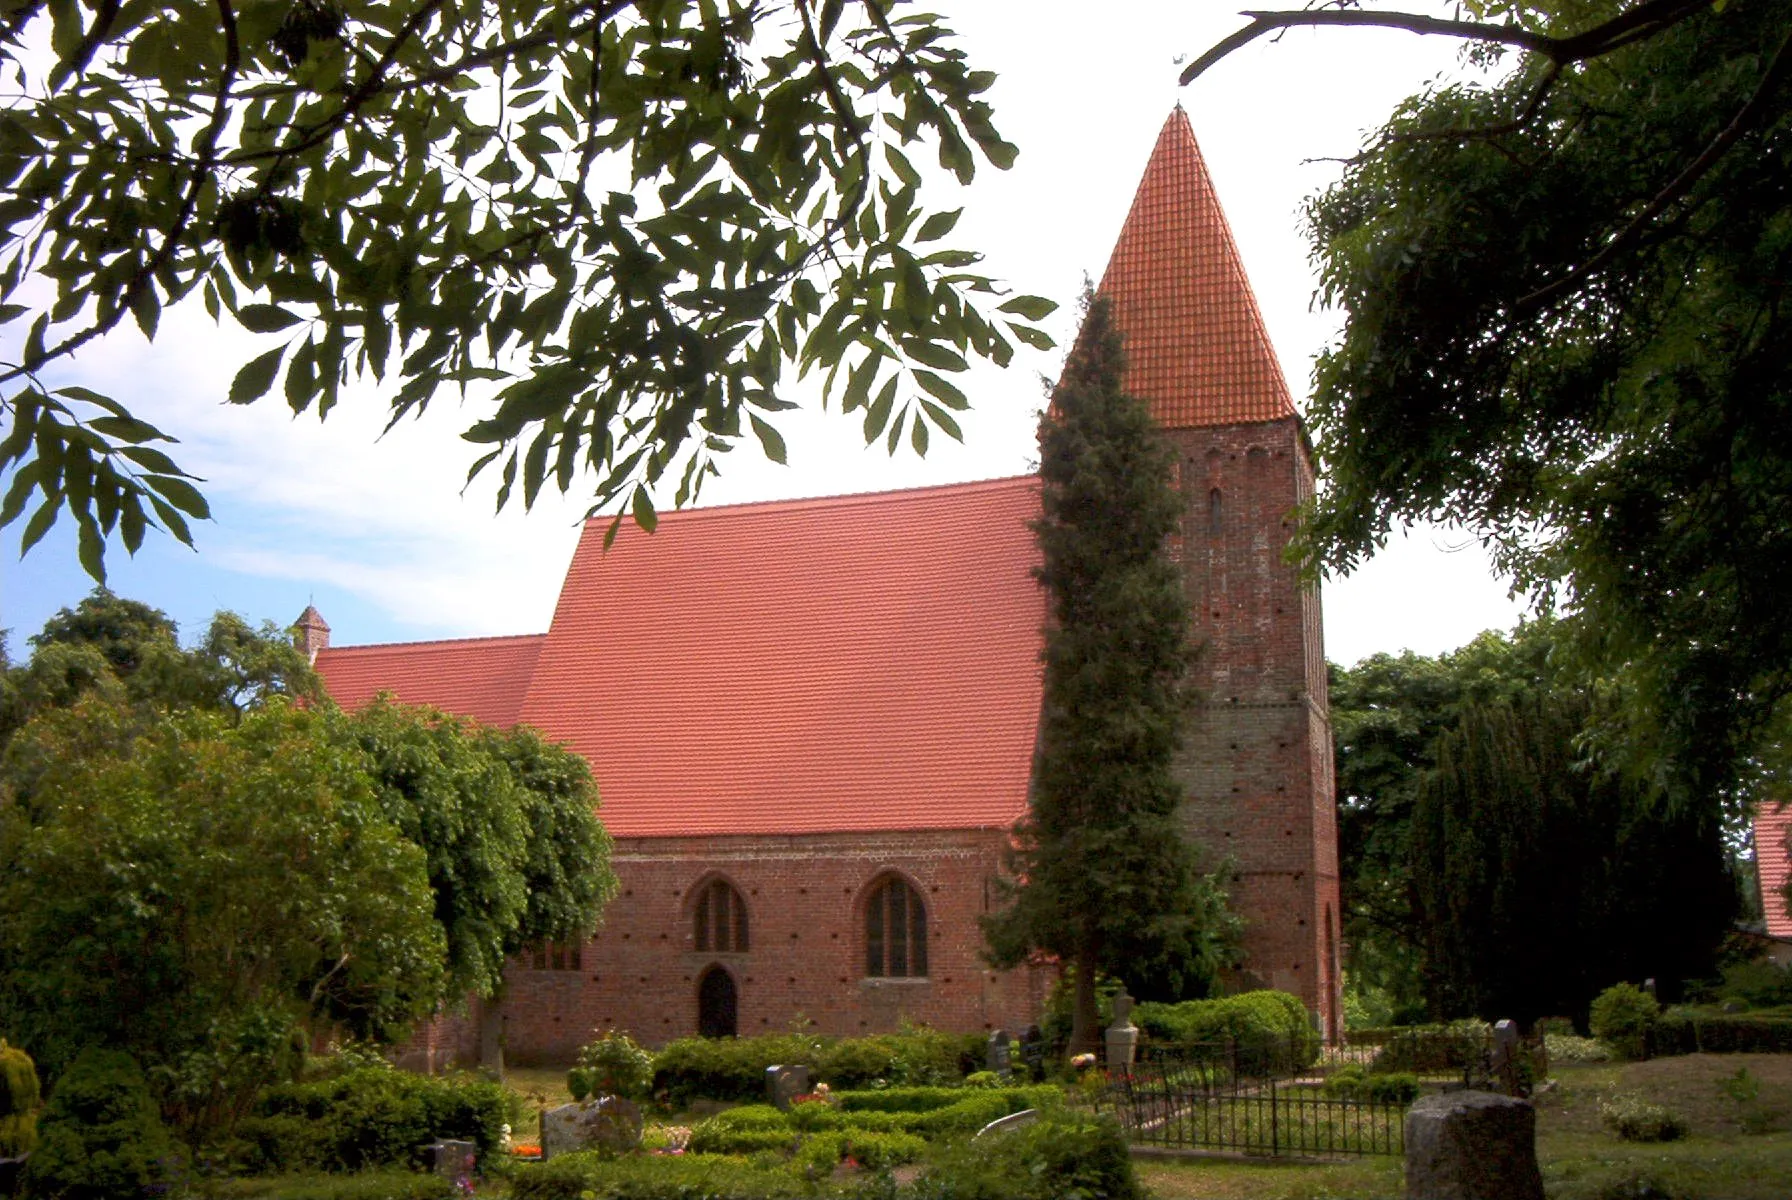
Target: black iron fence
{"x":1294,"y":1098}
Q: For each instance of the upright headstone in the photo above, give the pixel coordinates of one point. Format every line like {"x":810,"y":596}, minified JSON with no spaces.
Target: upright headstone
{"x":1032,"y":1052}
{"x":1123,"y":1035}
{"x":1508,"y":1070}
{"x":451,"y":1159}
{"x":999,"y":1056}
{"x":784,"y":1084}
{"x":1472,"y":1146}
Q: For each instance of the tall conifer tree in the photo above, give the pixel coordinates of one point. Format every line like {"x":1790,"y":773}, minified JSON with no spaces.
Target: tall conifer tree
{"x":1104,"y":879}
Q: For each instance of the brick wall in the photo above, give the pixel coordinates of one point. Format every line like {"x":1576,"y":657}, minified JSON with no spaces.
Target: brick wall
{"x":1258,"y":761}
{"x":805,"y":957}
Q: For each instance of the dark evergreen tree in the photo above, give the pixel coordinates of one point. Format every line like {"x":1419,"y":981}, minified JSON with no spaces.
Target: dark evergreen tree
{"x":1104,"y":879}
{"x":1540,"y":876}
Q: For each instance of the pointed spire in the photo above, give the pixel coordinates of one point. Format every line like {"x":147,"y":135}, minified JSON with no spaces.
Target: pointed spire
{"x":1196,"y":347}
{"x":313,"y":633}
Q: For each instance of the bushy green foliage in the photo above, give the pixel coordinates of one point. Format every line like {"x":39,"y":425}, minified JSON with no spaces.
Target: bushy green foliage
{"x":982,"y":1079}
{"x":1623,"y":1016}
{"x":612,"y":1065}
{"x":19,"y":1096}
{"x":1702,"y":1031}
{"x":1070,"y":1155}
{"x":1638,"y":1120}
{"x":1756,"y":984}
{"x":1447,"y":1049}
{"x":593,"y":1176}
{"x":372,"y":1117}
{"x":1355,"y":1082}
{"x":734,"y":1068}
{"x":1271,"y":1029}
{"x":1567,"y":1048}
{"x":873,"y":1148}
{"x":369,"y":1185}
{"x":100,"y":1136}
{"x":929,"y":1112}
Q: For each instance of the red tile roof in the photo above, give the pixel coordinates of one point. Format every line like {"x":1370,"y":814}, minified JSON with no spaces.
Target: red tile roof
{"x":848,"y":664}
{"x":1196,"y":347}
{"x":1773,"y":864}
{"x":482,"y":678}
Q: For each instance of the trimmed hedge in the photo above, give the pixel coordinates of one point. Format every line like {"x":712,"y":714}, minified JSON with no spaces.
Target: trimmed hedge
{"x":373,"y":1185}
{"x":1689,"y":1031}
{"x":969,"y":1111}
{"x":371,"y":1117}
{"x":1351,"y":1083}
{"x":869,"y":1148}
{"x":1271,"y":1030}
{"x":1068,"y":1155}
{"x":734,"y":1068}
{"x":592,"y":1176}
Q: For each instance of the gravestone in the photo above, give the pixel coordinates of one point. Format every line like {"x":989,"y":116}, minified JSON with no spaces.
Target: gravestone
{"x":608,"y":1123}
{"x":1507,"y":1066}
{"x":1032,"y":1053}
{"x":451,"y":1159}
{"x":1472,"y":1146}
{"x":784,"y":1084}
{"x":1123,"y":1035}
{"x":999,"y":1056}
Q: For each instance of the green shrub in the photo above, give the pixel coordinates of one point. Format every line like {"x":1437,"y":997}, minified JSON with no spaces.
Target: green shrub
{"x":881,"y":1151}
{"x":100,"y":1136}
{"x":715,"y":1136}
{"x":1695,"y":1031}
{"x":1567,"y":1048}
{"x":1455,"y":1048}
{"x":650,"y":1177}
{"x":613,"y":1065}
{"x":1271,"y":1030}
{"x":734,"y":1068}
{"x":911,"y":1113}
{"x":371,"y":1185}
{"x":19,"y":1096}
{"x":373,"y":1117}
{"x":1638,"y":1120}
{"x":1067,"y":1155}
{"x":1623,"y":1016}
{"x":1352,"y":1082}
{"x":916,"y":1099}
{"x":1756,"y":984}
{"x":983,"y":1079}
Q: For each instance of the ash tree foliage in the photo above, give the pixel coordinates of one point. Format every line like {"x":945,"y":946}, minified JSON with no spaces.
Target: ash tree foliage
{"x":620,"y":220}
{"x":198,"y":874}
{"x":1103,"y":877}
{"x":1566,"y":326}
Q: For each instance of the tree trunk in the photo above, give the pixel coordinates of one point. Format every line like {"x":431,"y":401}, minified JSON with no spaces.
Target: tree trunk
{"x":491,"y":1033}
{"x":1085,"y":1019}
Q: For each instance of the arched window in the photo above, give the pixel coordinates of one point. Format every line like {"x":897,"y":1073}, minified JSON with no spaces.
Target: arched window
{"x":720,"y":920}
{"x":895,"y":931}
{"x":1215,"y":513}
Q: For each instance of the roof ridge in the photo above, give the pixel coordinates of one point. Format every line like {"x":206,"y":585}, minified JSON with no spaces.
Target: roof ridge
{"x":838,"y":500}
{"x":460,"y":641}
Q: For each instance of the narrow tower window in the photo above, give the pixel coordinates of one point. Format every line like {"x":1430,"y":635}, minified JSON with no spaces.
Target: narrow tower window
{"x":1215,"y":512}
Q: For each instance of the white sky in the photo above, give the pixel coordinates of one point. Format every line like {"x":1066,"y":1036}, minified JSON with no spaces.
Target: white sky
{"x":378,"y":534}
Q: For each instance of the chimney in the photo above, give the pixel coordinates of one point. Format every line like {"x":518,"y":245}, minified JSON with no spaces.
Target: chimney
{"x":313,"y":633}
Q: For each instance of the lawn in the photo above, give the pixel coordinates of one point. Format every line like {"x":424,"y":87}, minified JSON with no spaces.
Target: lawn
{"x":1736,"y":1149}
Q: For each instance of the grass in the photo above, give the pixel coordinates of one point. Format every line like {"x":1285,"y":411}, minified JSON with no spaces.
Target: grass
{"x":1739,"y":1146}
{"x":540,"y":1088}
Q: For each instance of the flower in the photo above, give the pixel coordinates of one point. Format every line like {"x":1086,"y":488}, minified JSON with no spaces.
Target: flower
{"x":1082,"y":1062}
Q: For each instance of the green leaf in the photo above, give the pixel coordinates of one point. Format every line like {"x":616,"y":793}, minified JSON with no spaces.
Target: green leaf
{"x":40,"y":523}
{"x":265,"y":318}
{"x":1036,"y":338}
{"x":254,"y":380}
{"x":770,"y":440}
{"x":878,"y":415}
{"x":641,"y":506}
{"x":91,"y":548}
{"x":918,"y":436}
{"x":932,"y":354}
{"x":943,"y":389}
{"x":1033,"y":308}
{"x":938,"y":225}
{"x":943,"y":419}
{"x":181,"y":494}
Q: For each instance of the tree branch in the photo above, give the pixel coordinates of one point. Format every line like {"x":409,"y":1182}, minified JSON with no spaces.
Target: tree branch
{"x":1677,"y":188}
{"x":1646,"y":19}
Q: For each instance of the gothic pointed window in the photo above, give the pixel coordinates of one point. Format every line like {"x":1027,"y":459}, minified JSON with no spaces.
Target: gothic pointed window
{"x":720,"y":919}
{"x":1216,"y":522}
{"x":895,"y":931}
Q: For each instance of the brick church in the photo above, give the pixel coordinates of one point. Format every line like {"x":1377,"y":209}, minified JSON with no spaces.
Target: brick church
{"x":812,"y":723}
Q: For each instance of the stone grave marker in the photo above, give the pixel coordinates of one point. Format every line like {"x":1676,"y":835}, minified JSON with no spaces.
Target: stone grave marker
{"x":1032,"y":1052}
{"x":1122,"y":1035}
{"x":608,"y":1122}
{"x":999,"y":1057}
{"x":1472,"y":1146}
{"x":1505,"y":1067}
{"x":451,"y":1159}
{"x":783,"y":1084}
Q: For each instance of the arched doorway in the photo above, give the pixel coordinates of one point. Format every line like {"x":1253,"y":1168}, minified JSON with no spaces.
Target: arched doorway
{"x":718,"y":1004}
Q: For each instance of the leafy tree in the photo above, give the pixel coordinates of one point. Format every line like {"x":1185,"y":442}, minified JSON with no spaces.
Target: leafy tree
{"x":193,"y":889}
{"x":1565,"y":294}
{"x":623,"y":218}
{"x":125,"y":632}
{"x":1540,"y":877}
{"x":497,"y":815}
{"x":1105,"y":880}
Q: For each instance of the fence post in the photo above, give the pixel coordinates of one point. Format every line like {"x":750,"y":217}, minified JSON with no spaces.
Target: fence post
{"x":1275,"y":1121}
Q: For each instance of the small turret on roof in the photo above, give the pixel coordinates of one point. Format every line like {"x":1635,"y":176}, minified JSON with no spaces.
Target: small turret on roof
{"x":1196,"y":347}
{"x":313,"y":631}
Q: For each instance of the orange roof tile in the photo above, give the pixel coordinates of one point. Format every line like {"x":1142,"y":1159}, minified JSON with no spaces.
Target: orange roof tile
{"x":482,"y":678}
{"x":1196,"y":347}
{"x":1773,"y":865}
{"x":853,"y":663}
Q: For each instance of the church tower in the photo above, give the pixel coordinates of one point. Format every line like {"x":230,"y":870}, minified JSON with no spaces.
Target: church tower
{"x":1257,"y":763}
